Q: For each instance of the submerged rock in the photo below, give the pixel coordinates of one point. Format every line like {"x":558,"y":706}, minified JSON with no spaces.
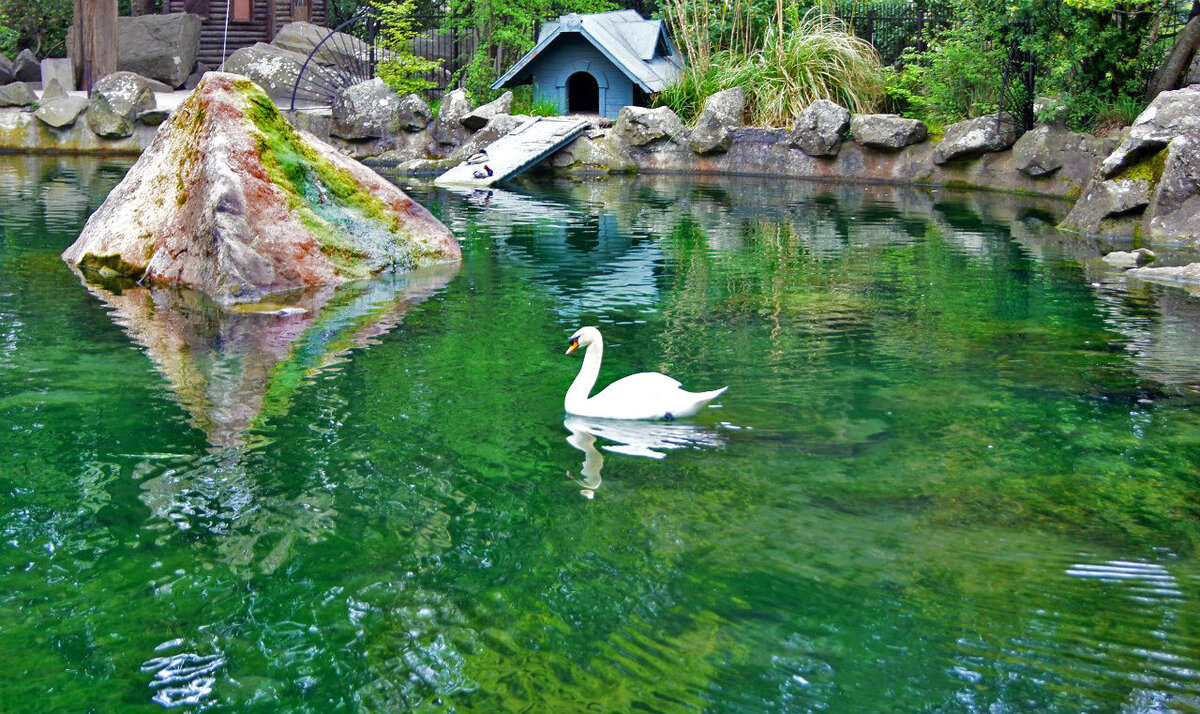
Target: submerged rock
{"x":1180,"y":274}
{"x":230,"y":199}
{"x":1129,"y":259}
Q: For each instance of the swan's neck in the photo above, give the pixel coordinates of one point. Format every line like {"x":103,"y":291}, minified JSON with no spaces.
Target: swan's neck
{"x":577,"y":395}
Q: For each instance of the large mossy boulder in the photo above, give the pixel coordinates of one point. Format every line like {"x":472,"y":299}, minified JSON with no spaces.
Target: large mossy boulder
{"x":230,"y":199}
{"x":161,"y":47}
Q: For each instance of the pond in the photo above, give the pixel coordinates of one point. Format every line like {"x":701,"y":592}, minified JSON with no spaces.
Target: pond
{"x":956,"y":469}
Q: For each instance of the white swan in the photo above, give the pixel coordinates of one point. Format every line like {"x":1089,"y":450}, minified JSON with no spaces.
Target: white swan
{"x":646,"y":395}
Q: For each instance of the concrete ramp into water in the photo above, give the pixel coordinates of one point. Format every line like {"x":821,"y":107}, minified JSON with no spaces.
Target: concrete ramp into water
{"x":516,"y":151}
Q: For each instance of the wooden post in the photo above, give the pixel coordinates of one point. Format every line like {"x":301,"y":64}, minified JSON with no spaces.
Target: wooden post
{"x":94,"y":40}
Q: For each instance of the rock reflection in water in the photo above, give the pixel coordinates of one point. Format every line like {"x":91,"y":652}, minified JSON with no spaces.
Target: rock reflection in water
{"x":647,"y":439}
{"x":223,"y":363}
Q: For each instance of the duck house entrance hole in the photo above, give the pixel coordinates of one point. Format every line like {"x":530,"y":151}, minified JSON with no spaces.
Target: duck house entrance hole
{"x":583,"y":94}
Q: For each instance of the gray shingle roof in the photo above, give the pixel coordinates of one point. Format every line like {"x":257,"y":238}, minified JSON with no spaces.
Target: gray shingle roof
{"x":638,"y":47}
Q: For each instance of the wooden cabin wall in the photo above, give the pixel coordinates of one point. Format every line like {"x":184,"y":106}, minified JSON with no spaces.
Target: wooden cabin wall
{"x":269,"y":16}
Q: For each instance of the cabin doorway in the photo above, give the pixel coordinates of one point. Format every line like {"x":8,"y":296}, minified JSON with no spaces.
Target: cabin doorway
{"x":583,"y":94}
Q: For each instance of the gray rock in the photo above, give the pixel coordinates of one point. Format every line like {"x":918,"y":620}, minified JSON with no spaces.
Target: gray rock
{"x":1048,"y":148}
{"x":413,"y":114}
{"x":52,"y":90}
{"x":271,"y":68}
{"x":1193,"y":74}
{"x":58,"y":111}
{"x":6,"y":70}
{"x":1112,"y":207}
{"x":157,"y":86}
{"x":26,"y":67}
{"x":1169,"y":115}
{"x":448,"y":128}
{"x":58,"y":70}
{"x":17,"y":94}
{"x":115,"y":102}
{"x":194,"y":78}
{"x":1181,"y":274}
{"x":476,"y":119}
{"x":303,"y":37}
{"x":722,"y":114}
{"x":153,"y":117}
{"x":367,"y":110}
{"x":638,"y":126}
{"x":161,"y":47}
{"x":976,"y":136}
{"x":497,"y":126}
{"x":887,"y":131}
{"x":1132,"y":259}
{"x":819,"y":129}
{"x":1173,"y":215}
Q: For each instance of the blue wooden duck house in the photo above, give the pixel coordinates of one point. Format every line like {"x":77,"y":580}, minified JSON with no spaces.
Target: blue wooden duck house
{"x":597,"y":63}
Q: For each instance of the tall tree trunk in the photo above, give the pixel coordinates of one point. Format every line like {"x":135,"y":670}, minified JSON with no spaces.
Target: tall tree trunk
{"x":94,"y":40}
{"x":141,"y":7}
{"x":1176,"y":62}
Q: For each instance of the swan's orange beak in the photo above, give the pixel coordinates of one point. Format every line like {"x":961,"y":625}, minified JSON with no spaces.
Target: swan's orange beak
{"x":573,"y":346}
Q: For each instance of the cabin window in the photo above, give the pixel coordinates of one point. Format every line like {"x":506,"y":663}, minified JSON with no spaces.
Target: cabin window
{"x":243,"y":10}
{"x":583,"y":94}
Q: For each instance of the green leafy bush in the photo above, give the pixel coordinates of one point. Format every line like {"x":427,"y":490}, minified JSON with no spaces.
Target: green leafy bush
{"x":40,"y":26}
{"x":958,"y":77}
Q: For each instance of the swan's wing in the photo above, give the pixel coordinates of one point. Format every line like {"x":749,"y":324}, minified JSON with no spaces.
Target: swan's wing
{"x":637,"y":387}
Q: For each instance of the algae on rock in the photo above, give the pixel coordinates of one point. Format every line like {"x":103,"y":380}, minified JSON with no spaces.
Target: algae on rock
{"x":232,"y":200}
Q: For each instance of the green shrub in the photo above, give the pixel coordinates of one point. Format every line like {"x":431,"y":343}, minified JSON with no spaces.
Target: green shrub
{"x":40,"y":26}
{"x":958,"y":77}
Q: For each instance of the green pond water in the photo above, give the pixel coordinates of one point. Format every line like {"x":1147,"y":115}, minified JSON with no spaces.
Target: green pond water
{"x":957,"y":468}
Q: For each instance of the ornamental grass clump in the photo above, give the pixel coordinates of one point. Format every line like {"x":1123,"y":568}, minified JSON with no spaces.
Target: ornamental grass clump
{"x":792,"y":62}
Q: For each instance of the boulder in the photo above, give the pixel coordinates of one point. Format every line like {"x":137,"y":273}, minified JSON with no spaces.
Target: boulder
{"x":56,"y":108}
{"x":887,"y":131}
{"x":413,"y":114}
{"x":722,"y":114}
{"x":6,"y":70}
{"x":820,"y":128}
{"x":1110,"y":207}
{"x":231,"y":200}
{"x":1173,"y":215}
{"x":17,"y":94}
{"x":448,"y":128}
{"x":26,"y":67}
{"x":58,"y":70}
{"x":475,"y":120}
{"x":272,"y":68}
{"x":194,"y":78}
{"x":1131,"y":259}
{"x":153,"y":117}
{"x":1169,"y":115}
{"x":115,"y":102}
{"x":638,"y":126}
{"x":303,"y":37}
{"x":161,"y":47}
{"x":977,"y":136}
{"x":52,"y":90}
{"x":367,"y":110}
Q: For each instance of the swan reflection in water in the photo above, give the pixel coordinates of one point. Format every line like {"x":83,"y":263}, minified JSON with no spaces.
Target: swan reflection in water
{"x":647,"y":439}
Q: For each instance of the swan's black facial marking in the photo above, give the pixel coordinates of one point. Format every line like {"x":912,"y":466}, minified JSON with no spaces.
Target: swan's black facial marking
{"x":669,"y":416}
{"x":572,"y":345}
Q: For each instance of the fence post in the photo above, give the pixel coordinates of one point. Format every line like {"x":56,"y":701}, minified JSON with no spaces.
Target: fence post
{"x":871,"y":26}
{"x":921,"y":45}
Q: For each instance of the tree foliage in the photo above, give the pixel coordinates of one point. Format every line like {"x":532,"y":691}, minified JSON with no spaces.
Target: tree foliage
{"x":40,"y":26}
{"x":402,"y":70}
